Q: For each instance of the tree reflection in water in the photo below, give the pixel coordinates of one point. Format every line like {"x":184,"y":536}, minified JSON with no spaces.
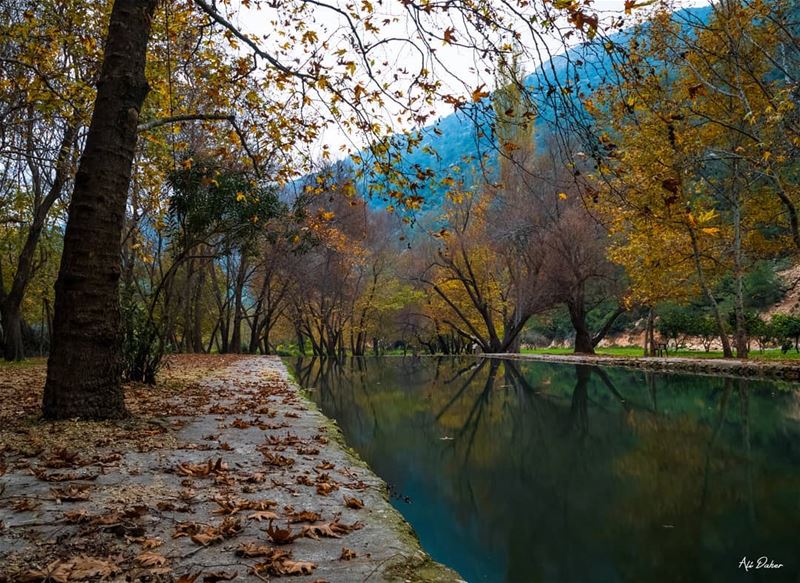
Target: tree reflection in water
{"x":523,"y":471}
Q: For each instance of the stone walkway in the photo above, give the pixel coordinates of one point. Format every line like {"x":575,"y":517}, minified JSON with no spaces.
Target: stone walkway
{"x":240,"y":477}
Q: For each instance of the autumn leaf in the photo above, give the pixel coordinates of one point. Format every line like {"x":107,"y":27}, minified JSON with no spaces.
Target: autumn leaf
{"x":202,"y":470}
{"x":71,"y":493}
{"x":250,"y":550}
{"x":325,"y":488}
{"x":479,"y":93}
{"x":220,"y":576}
{"x":151,"y":543}
{"x":304,"y":516}
{"x":449,"y":35}
{"x":150,"y":559}
{"x":263,"y":515}
{"x":76,"y":569}
{"x":353,"y":503}
{"x":281,"y":536}
{"x":347,"y":554}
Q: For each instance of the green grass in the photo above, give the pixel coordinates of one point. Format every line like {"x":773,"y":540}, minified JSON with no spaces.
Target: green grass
{"x":32,"y":361}
{"x":634,"y":351}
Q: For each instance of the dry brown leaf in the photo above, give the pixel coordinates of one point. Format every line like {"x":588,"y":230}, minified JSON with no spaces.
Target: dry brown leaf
{"x":150,"y":559}
{"x":57,"y":572}
{"x":347,"y":554}
{"x":151,"y":543}
{"x":218,"y":576}
{"x":329,"y":529}
{"x":262,"y":515}
{"x":353,"y":503}
{"x":250,"y":550}
{"x":281,"y":536}
{"x":317,"y":530}
{"x":282,"y":564}
{"x":277,"y":459}
{"x":207,"y":537}
{"x":71,"y":493}
{"x":304,"y":516}
{"x":77,"y":516}
{"x":202,"y":470}
{"x":25,"y":505}
{"x":186,"y":529}
{"x":76,"y":569}
{"x":325,"y":488}
{"x":289,"y":567}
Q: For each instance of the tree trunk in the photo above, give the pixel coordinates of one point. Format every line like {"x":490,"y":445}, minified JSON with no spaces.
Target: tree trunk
{"x":84,"y":369}
{"x":723,"y":334}
{"x":12,"y":328}
{"x":583,"y":338}
{"x":649,"y":335}
{"x":742,"y":347}
{"x":238,"y":307}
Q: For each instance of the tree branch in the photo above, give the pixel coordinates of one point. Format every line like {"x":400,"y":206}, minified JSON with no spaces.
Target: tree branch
{"x":145,"y":127}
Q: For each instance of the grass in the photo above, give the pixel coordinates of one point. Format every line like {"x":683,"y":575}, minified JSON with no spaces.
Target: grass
{"x":32,"y":361}
{"x":634,"y":351}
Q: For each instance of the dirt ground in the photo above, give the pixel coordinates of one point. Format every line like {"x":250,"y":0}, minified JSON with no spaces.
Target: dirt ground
{"x":223,"y":471}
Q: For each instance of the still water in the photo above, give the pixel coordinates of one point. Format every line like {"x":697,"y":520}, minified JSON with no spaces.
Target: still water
{"x":514,"y":471}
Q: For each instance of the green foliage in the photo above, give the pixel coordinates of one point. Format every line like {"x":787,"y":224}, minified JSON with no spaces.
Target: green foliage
{"x":763,"y":287}
{"x":786,"y":330}
{"x":675,"y":322}
{"x":212,"y":203}
{"x":142,"y":348}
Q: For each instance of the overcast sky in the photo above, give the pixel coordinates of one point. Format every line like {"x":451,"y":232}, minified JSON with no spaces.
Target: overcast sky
{"x":457,"y":68}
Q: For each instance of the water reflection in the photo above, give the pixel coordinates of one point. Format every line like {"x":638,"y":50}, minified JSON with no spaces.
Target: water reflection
{"x":522,"y":471}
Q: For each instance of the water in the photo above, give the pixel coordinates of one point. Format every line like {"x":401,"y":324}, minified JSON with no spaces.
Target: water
{"x":530,"y":471}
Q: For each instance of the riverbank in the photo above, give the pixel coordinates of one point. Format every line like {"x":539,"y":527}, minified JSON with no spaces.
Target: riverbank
{"x":223,"y":470}
{"x":766,"y":369}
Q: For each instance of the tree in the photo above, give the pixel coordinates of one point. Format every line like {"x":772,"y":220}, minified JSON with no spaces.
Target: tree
{"x":83,"y":372}
{"x":84,"y":368}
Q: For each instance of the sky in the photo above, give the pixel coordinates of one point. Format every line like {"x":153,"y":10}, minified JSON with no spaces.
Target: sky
{"x":460,"y":71}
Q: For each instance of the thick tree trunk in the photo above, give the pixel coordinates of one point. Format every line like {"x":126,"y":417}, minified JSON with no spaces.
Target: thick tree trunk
{"x":583,"y":337}
{"x":84,"y":369}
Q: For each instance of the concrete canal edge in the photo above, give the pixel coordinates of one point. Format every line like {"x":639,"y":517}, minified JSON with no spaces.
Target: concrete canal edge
{"x":412,"y":564}
{"x":717,"y":367}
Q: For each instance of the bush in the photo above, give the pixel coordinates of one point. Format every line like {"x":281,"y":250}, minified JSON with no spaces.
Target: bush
{"x":786,"y":329}
{"x":142,"y":349}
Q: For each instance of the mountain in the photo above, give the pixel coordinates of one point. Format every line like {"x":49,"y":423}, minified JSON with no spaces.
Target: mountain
{"x":461,"y":139}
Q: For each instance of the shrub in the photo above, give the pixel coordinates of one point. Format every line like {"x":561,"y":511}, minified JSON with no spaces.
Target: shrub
{"x":142,"y":349}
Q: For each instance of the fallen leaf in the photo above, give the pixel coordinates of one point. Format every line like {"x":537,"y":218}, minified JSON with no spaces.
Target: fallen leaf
{"x":353,"y":503}
{"x":219,"y":576}
{"x":347,"y":554}
{"x":263,"y":515}
{"x":281,"y":536}
{"x":250,"y":550}
{"x":25,"y":505}
{"x":151,"y":543}
{"x":304,"y":516}
{"x":149,"y":559}
{"x":71,"y":493}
